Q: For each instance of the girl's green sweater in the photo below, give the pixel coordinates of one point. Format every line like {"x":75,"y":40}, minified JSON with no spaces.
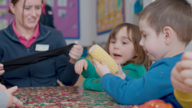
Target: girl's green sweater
{"x":92,"y":79}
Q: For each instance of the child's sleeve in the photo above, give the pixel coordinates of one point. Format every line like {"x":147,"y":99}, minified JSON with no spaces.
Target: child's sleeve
{"x":134,"y":71}
{"x":185,"y":99}
{"x":93,"y":84}
{"x":90,"y":72}
{"x":153,"y":85}
{"x":3,"y":99}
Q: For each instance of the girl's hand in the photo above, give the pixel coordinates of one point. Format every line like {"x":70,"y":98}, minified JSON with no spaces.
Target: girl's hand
{"x":102,"y":68}
{"x":75,"y":53}
{"x":120,"y":72}
{"x":80,"y":65}
{"x":1,"y":69}
{"x":181,"y":75}
{"x":2,"y":87}
{"x":12,"y":99}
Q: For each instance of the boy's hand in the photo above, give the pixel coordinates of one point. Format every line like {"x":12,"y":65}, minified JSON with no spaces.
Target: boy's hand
{"x":102,"y":68}
{"x":2,"y":87}
{"x":181,"y":76}
{"x":12,"y":99}
{"x":120,"y":72}
{"x":1,"y":69}
{"x":75,"y":52}
{"x":80,"y":65}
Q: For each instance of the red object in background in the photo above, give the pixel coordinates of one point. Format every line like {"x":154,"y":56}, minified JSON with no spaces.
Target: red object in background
{"x":155,"y":104}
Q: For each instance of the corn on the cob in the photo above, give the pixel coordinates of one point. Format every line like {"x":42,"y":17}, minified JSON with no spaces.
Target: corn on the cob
{"x":99,"y":53}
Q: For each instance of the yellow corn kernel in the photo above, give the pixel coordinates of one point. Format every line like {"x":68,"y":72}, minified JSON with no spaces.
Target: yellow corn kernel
{"x":99,"y":53}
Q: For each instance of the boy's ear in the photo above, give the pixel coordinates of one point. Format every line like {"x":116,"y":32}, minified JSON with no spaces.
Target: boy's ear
{"x":168,"y":35}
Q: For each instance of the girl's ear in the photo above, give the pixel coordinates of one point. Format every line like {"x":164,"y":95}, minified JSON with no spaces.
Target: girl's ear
{"x":168,"y":35}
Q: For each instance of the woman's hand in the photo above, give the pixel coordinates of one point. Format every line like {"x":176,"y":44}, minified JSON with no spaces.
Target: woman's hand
{"x":75,"y":52}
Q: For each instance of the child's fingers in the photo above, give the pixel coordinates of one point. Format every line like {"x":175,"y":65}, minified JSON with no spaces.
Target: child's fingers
{"x":178,"y":85}
{"x":80,"y":68}
{"x":12,"y":89}
{"x":187,"y":56}
{"x":85,"y":66}
{"x":119,"y":66}
{"x":188,"y":81}
{"x":94,"y":61}
{"x":103,"y":62}
{"x":17,"y":101}
{"x":176,"y":74}
{"x":2,"y":87}
{"x":186,"y":64}
{"x":76,"y":68}
{"x":187,"y":73}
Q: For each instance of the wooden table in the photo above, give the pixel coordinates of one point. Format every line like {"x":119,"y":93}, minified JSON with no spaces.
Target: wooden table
{"x":64,"y":97}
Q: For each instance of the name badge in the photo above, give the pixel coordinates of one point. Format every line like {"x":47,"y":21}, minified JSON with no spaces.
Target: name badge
{"x":50,"y":12}
{"x":41,"y":47}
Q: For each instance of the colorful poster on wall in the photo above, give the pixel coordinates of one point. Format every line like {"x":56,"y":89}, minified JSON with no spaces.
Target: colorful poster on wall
{"x":3,"y":12}
{"x":3,"y":2}
{"x":3,"y":23}
{"x":109,"y":14}
{"x":65,"y":13}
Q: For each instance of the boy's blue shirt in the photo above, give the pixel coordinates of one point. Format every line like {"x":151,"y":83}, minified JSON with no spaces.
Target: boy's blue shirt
{"x":155,"y":84}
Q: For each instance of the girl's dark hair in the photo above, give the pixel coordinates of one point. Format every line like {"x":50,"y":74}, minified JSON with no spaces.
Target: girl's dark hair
{"x":134,"y":36}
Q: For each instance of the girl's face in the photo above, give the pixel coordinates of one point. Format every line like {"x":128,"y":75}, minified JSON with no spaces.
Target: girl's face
{"x":28,"y":16}
{"x":121,"y":49}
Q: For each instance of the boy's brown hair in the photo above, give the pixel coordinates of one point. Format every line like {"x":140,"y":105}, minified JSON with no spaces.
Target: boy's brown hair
{"x":176,"y":14}
{"x":134,"y":36}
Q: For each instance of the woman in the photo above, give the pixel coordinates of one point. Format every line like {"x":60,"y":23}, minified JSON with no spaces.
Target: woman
{"x":22,"y":37}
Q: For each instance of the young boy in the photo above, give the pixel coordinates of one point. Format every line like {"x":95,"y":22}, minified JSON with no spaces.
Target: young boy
{"x":166,"y":30}
{"x":6,"y":97}
{"x":181,"y":78}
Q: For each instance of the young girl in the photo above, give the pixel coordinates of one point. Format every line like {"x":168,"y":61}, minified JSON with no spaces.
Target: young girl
{"x":123,"y":46}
